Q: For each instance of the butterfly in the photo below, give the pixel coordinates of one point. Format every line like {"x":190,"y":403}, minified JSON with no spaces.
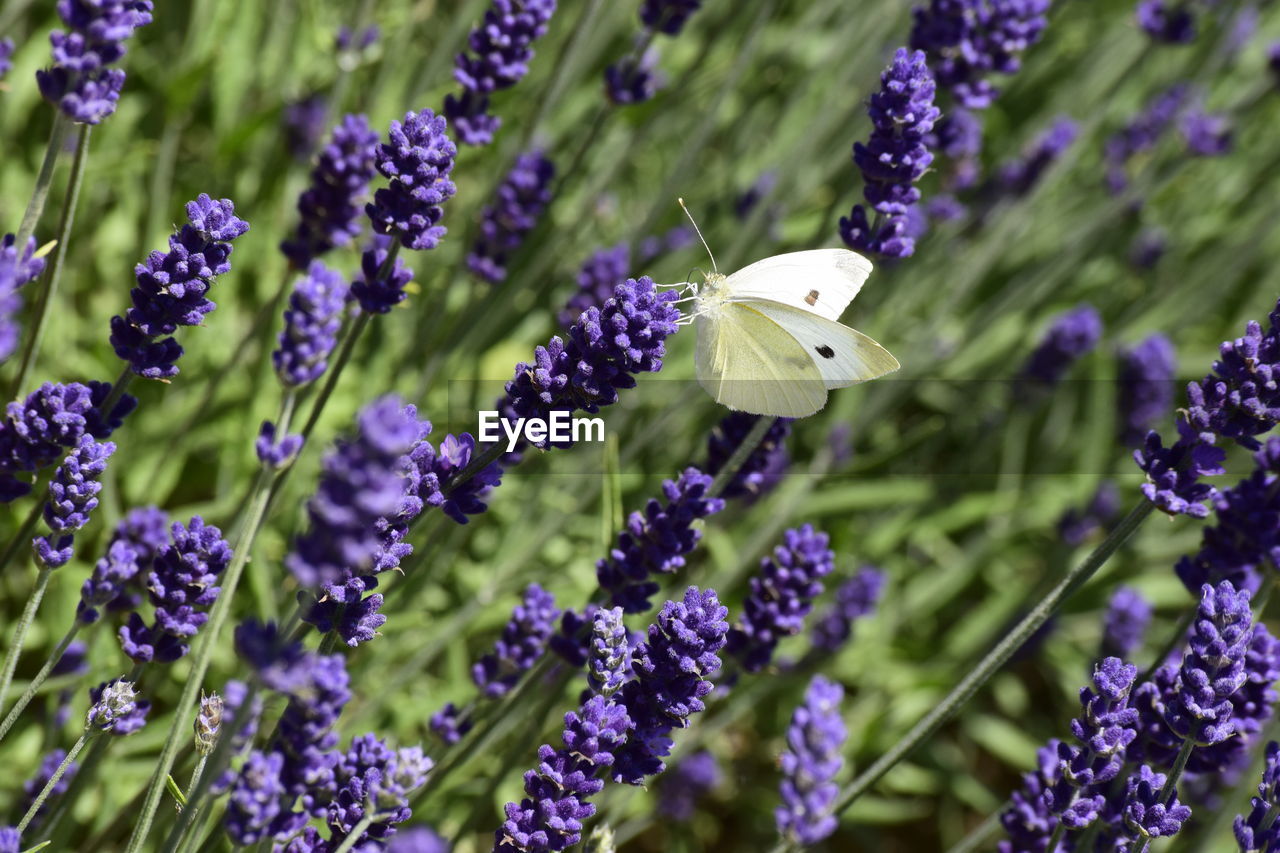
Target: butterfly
{"x":769,"y":337}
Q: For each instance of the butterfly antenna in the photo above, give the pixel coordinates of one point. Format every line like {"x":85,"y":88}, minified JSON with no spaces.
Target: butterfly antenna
{"x":698,"y":231}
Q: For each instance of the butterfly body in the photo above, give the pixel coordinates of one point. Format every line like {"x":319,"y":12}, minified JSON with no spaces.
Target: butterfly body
{"x":769,"y":340}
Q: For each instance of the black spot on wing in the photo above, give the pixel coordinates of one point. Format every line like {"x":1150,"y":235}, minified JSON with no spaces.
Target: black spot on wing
{"x":826,"y":351}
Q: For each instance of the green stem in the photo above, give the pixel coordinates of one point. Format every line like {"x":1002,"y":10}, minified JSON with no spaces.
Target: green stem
{"x":23,"y":536}
{"x":20,"y":633}
{"x":995,"y":659}
{"x":123,"y":381}
{"x":43,"y":181}
{"x":200,"y":661}
{"x":54,"y":274}
{"x":358,"y":830}
{"x":41,"y":676}
{"x":53,"y":781}
{"x":740,"y":455}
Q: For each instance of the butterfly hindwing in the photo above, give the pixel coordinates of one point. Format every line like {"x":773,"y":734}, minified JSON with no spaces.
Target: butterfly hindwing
{"x":843,"y":356}
{"x":746,"y":361}
{"x":819,"y":281}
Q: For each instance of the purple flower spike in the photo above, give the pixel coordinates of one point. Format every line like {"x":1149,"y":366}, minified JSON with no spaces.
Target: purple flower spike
{"x":274,"y":453}
{"x":416,"y":160}
{"x":668,"y":16}
{"x":116,"y":709}
{"x":599,"y":275}
{"x":610,"y":654}
{"x":687,"y":782}
{"x":656,"y":541}
{"x":376,"y":291}
{"x":895,"y":156}
{"x":172,"y":288}
{"x":523,"y":641}
{"x":1020,"y":176}
{"x":15,"y":272}
{"x":1146,"y":385}
{"x":500,"y":50}
{"x":1241,"y":398}
{"x":311,"y":324}
{"x":329,"y":209}
{"x":763,"y":469}
{"x":1125,"y":624}
{"x":1167,"y":22}
{"x":33,"y":786}
{"x":73,"y":494}
{"x":673,"y":668}
{"x":781,"y":596}
{"x":372,"y":775}
{"x":810,"y":764}
{"x":1070,"y":336}
{"x":1076,"y":525}
{"x":304,"y":122}
{"x":1142,"y":133}
{"x":522,"y":197}
{"x":856,"y":598}
{"x":81,"y":83}
{"x":1214,"y":668}
{"x":6,"y":57}
{"x":10,"y":840}
{"x":1145,"y":816}
{"x":1207,"y":134}
{"x":633,"y":80}
{"x":1259,"y":830}
{"x":116,"y":579}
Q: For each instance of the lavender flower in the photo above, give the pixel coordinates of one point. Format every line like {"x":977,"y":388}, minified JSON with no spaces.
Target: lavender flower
{"x":1020,"y":176}
{"x":856,"y":598}
{"x":633,"y":79}
{"x":116,"y":708}
{"x":416,"y":160}
{"x":255,"y":802}
{"x":1146,"y":385}
{"x":1213,"y":669}
{"x":1167,"y":22}
{"x":439,"y":472}
{"x":1071,"y":335}
{"x":521,"y":198}
{"x":555,"y":804}
{"x":673,"y":669}
{"x":656,"y":541}
{"x":967,"y":40}
{"x":182,"y":587}
{"x":33,"y":786}
{"x":810,"y":764}
{"x":208,"y":723}
{"x":1243,"y":546}
{"x":1142,"y":133}
{"x":10,"y":840}
{"x":781,"y":596}
{"x":81,"y":82}
{"x":610,"y":655}
{"x":1028,"y":820}
{"x":172,"y":288}
{"x":1076,"y":526}
{"x":15,"y":272}
{"x":523,"y":640}
{"x":449,"y":724}
{"x":1259,"y":832}
{"x":668,"y":16}
{"x":600,"y":274}
{"x":763,"y":469}
{"x":958,"y":135}
{"x":1174,"y":472}
{"x":276,"y":453}
{"x":417,"y":839}
{"x":1207,"y":134}
{"x":37,"y":430}
{"x":372,"y":775}
{"x":73,"y":495}
{"x":607,"y":346}
{"x":1148,"y":248}
{"x":1273,"y":59}
{"x":894,"y":158}
{"x":1125,"y":624}
{"x":6,"y":57}
{"x":311,"y":324}
{"x":329,"y":208}
{"x":304,"y":123}
{"x":1145,"y":815}
{"x":378,"y":291}
{"x":500,"y":51}
{"x":685,"y":783}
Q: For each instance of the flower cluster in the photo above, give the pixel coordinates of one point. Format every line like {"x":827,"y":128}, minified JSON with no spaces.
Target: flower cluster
{"x":416,"y":159}
{"x":1167,"y":22}
{"x":656,"y":541}
{"x":500,"y":51}
{"x":1141,"y":133}
{"x":329,"y":209}
{"x":6,"y":56}
{"x":304,"y":122}
{"x":521,"y":198}
{"x":856,"y":598}
{"x":524,"y":639}
{"x":810,"y":765}
{"x":1125,"y":624}
{"x":604,"y":270}
{"x":607,"y":347}
{"x":672,"y":671}
{"x":82,"y":82}
{"x":311,"y":324}
{"x":1259,"y":831}
{"x":633,"y":79}
{"x":781,"y":596}
{"x":685,"y":783}
{"x":173,"y":286}
{"x":115,"y":708}
{"x":763,"y":468}
{"x":371,"y":775}
{"x":610,"y":653}
{"x":1077,"y":525}
{"x":16,"y":269}
{"x":1018,"y":177}
{"x":36,"y":431}
{"x":1206,"y":134}
{"x":894,"y":157}
{"x":1071,"y":336}
{"x":182,"y":586}
{"x":967,"y":40}
{"x":115,"y":580}
{"x":1146,"y":385}
{"x":33,"y":786}
{"x":73,"y":494}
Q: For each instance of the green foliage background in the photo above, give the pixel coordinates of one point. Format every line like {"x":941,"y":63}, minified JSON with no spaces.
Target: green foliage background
{"x":954,"y":488}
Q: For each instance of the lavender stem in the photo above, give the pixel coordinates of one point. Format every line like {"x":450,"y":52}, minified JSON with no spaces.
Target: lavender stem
{"x":20,"y":633}
{"x":54,"y":273}
{"x":53,"y":780}
{"x":358,"y":830}
{"x":41,"y":676}
{"x":43,"y":180}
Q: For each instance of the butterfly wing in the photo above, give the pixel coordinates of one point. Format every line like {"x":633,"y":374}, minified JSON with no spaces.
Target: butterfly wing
{"x":820,"y":281}
{"x":746,"y":361}
{"x":843,"y":356}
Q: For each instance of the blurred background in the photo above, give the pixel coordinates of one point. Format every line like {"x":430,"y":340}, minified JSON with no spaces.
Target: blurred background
{"x":951,"y":476}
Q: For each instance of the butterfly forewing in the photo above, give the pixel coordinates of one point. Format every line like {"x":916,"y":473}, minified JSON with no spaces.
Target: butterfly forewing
{"x":747,"y":362}
{"x":819,"y":281}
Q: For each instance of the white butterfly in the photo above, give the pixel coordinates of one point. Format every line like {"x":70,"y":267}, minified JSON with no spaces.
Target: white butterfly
{"x":769,"y":340}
